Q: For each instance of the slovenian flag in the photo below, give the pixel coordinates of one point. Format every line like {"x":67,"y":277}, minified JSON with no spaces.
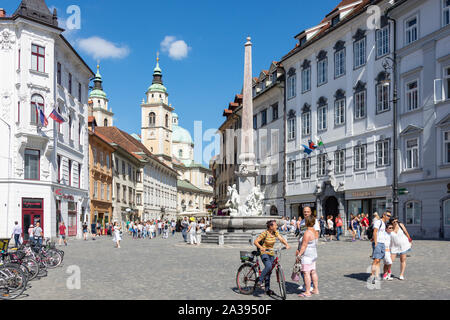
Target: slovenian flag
{"x":43,"y":118}
{"x":312,"y":145}
{"x":57,"y":117}
{"x":306,"y":149}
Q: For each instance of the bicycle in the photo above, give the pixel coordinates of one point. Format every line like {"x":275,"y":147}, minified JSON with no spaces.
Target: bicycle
{"x":249,"y":272}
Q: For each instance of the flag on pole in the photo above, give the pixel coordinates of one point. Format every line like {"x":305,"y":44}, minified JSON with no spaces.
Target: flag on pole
{"x":57,"y":117}
{"x":306,"y":149}
{"x":319,"y":141}
{"x":312,"y":145}
{"x":43,"y":118}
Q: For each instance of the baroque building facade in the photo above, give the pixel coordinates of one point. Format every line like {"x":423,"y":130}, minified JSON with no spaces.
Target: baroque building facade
{"x":44,"y":171}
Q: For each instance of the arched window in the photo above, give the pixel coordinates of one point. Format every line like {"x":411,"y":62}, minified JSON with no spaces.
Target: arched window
{"x":151,"y":119}
{"x":167,"y":120}
{"x":105,"y":122}
{"x":180,"y":153}
{"x":273,"y":211}
{"x":37,"y":103}
{"x":183,"y":205}
{"x":70,"y":127}
{"x":413,"y":212}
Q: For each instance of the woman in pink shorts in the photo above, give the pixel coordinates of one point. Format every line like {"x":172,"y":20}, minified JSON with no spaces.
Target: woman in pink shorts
{"x":308,"y":257}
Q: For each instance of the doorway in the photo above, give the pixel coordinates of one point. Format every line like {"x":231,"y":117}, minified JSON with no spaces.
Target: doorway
{"x":32,"y":213}
{"x":331,"y":207}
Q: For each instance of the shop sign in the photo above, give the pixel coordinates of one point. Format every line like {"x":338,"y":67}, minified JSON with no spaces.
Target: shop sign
{"x":32,"y":203}
{"x":364,"y":194}
{"x":309,"y":204}
{"x":58,"y":192}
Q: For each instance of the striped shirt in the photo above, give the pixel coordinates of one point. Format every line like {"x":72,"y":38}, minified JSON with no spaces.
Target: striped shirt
{"x":269,"y":240}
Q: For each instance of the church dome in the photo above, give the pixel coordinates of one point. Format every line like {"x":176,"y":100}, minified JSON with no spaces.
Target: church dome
{"x":180,"y":134}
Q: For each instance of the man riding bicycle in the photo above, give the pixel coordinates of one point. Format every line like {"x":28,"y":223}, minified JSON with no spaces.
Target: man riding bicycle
{"x":265,"y":243}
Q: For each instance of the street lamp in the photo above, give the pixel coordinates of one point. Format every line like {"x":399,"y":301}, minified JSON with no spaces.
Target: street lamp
{"x":391,"y":64}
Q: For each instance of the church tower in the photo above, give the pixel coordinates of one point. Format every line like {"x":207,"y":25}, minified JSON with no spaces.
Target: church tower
{"x":156,"y":129}
{"x":98,"y":103}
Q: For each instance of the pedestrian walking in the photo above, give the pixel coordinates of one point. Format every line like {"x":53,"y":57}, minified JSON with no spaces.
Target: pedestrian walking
{"x":330,"y":228}
{"x":401,"y":244}
{"x":99,"y":229}
{"x":159,"y":227}
{"x":173,"y":225}
{"x":38,"y":234}
{"x":184,"y":226}
{"x":339,"y":225}
{"x":364,"y":226}
{"x":62,"y":233}
{"x":117,"y":234}
{"x":354,"y":227}
{"x":16,"y":234}
{"x":85,"y":231}
{"x":30,"y":234}
{"x":308,"y":257}
{"x":387,"y":275}
{"x":322,"y":227}
{"x":192,"y":230}
{"x":378,"y":245}
{"x":93,"y":230}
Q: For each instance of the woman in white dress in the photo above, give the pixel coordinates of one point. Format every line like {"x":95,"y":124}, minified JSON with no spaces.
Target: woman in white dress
{"x":117,"y":237}
{"x":400,"y":245}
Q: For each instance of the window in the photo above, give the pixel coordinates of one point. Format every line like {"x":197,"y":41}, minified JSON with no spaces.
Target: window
{"x":79,"y":175}
{"x":322,"y":72}
{"x":102,"y":191}
{"x":411,"y":30}
{"x":291,"y":128}
{"x":79,"y":132}
{"x":339,"y":161}
{"x":94,"y":154}
{"x":360,"y":105}
{"x":382,"y":41}
{"x":306,"y":123}
{"x":108,"y":196}
{"x":306,"y":168}
{"x":412,"y":153}
{"x":70,"y":127}
{"x":180,"y":153}
{"x":292,"y":84}
{"x":59,"y":125}
{"x":335,"y":21}
{"x":412,"y":96}
{"x":107,"y":161}
{"x":382,"y":97}
{"x":359,"y":52}
{"x":129,"y":172}
{"x":360,"y":157}
{"x":264,"y":117}
{"x":339,"y":63}
{"x":446,"y":12}
{"x":116,"y":161}
{"x":306,"y":79}
{"x":447,"y":147}
{"x":322,"y":118}
{"x":447,"y":82}
{"x":70,"y":173}
{"x":151,"y":119}
{"x":274,"y":112}
{"x":37,"y":58}
{"x":105,"y":122}
{"x":32,"y":164}
{"x":102,"y":159}
{"x":167,"y":120}
{"x":95,"y":195}
{"x":37,"y":103}
{"x":321,"y":165}
{"x":413,"y":213}
{"x":70,"y":84}
{"x":118,"y":192}
{"x":255,"y":122}
{"x":339,"y":112}
{"x":291,"y":171}
{"x":383,"y":153}
{"x":446,"y":209}
{"x":58,"y":73}
{"x":123,"y":167}
{"x":79,"y":92}
{"x":274,"y":77}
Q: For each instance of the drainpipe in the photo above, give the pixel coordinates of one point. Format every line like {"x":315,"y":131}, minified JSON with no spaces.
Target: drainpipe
{"x":283,"y":85}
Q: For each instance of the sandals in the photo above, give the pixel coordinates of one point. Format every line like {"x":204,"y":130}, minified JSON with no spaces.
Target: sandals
{"x":303,"y":295}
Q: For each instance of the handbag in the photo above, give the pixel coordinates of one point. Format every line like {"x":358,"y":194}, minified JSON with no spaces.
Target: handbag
{"x":296,"y":270}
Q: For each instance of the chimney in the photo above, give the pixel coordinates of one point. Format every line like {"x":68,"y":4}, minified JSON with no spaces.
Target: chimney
{"x":2,"y":13}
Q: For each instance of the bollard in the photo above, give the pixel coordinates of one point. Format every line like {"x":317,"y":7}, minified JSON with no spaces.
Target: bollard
{"x":221,"y":238}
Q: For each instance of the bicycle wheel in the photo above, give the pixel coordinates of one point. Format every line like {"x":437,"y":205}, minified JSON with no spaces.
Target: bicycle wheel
{"x":52,"y":259}
{"x":246,"y":278}
{"x":281,"y":282}
{"x":32,"y":266}
{"x":12,"y":282}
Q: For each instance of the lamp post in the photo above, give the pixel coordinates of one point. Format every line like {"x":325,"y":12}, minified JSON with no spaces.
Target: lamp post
{"x":391,"y":64}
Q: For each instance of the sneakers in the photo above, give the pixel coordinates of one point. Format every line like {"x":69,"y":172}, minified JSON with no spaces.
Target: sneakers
{"x":387,"y":277}
{"x":402,"y":278}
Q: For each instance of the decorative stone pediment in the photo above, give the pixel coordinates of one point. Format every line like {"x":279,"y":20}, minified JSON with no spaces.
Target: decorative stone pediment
{"x":306,"y":108}
{"x":383,"y":75}
{"x":306,"y":64}
{"x":291,"y":72}
{"x":340,"y":94}
{"x":322,"y":101}
{"x":360,"y":34}
{"x":339,"y":45}
{"x":291,"y":114}
{"x":360,"y":86}
{"x":7,"y":39}
{"x":411,"y":129}
{"x":322,"y":55}
{"x":445,"y":121}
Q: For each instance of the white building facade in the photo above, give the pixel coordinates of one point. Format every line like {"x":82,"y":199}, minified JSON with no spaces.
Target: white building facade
{"x":44,"y":169}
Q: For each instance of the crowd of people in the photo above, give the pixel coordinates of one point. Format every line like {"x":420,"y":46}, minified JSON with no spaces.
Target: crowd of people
{"x":389,"y":237}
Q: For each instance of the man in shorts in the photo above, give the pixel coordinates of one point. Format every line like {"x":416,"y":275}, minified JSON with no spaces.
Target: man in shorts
{"x":62,"y":233}
{"x":378,"y":245}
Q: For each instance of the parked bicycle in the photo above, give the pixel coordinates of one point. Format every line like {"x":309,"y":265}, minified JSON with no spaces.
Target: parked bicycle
{"x":250,"y":270}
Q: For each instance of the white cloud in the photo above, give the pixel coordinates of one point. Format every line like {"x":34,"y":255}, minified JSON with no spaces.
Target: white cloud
{"x":177,"y":49}
{"x":100,"y":48}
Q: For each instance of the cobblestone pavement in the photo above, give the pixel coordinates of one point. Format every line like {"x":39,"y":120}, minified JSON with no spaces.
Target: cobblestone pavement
{"x":169,"y":269}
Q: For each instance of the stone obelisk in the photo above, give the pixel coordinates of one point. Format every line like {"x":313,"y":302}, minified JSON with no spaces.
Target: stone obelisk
{"x":248,"y":169}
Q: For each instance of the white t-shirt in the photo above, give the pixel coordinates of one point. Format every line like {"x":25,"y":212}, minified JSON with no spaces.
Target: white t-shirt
{"x":381,"y":234}
{"x":193,"y":227}
{"x":303,"y":228}
{"x":159,"y":225}
{"x":330,"y":224}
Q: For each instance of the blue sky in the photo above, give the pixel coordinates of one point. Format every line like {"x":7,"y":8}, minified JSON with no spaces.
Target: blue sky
{"x":201,"y":83}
